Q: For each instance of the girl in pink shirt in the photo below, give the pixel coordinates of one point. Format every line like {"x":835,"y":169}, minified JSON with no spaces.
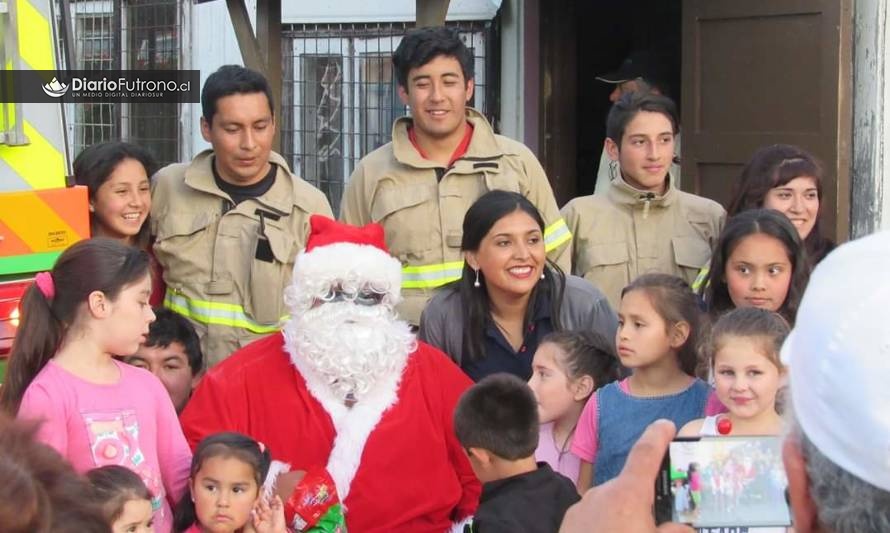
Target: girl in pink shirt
{"x":96,"y":411}
{"x":567,"y":368}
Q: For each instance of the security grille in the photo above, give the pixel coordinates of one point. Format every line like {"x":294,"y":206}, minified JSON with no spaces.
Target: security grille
{"x":133,"y":34}
{"x":339,"y":96}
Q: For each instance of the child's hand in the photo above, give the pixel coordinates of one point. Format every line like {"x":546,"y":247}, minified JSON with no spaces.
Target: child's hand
{"x":268,"y":516}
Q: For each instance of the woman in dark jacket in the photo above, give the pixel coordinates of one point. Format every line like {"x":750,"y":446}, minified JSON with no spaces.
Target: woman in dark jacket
{"x":510,"y":295}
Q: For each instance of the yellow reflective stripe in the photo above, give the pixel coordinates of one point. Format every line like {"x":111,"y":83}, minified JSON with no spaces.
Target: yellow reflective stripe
{"x":699,"y":284}
{"x":215,"y":313}
{"x":35,"y":37}
{"x":39,"y":163}
{"x":556,"y":234}
{"x":437,"y":275}
{"x":431,"y":276}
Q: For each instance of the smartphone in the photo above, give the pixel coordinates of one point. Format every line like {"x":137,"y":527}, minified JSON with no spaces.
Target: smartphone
{"x":723,"y":482}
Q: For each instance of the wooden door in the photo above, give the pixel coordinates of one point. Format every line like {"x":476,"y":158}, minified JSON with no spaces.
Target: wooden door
{"x":763,"y":72}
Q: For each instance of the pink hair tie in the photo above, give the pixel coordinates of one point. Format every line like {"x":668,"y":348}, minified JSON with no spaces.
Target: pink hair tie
{"x":261,"y":446}
{"x":44,"y":281}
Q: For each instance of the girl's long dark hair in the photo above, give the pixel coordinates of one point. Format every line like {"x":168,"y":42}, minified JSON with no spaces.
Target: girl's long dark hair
{"x":674,"y":301}
{"x":98,"y":264}
{"x":480,"y":218}
{"x":774,"y":166}
{"x":752,"y":222}
{"x":95,"y":164}
{"x":227,"y":444}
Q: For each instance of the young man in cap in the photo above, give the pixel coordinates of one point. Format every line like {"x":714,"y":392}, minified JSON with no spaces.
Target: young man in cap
{"x":441,"y":159}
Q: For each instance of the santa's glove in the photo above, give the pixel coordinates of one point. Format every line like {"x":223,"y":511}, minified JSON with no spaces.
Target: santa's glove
{"x":314,"y":506}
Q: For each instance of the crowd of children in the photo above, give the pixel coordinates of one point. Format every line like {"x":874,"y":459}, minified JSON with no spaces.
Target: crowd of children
{"x":575,"y":416}
{"x":535,"y":446}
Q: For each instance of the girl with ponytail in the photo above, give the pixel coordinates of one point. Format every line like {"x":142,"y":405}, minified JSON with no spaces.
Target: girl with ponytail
{"x":94,"y":410}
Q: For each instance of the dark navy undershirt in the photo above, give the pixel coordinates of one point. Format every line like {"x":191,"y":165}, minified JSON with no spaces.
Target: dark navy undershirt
{"x":239,"y":193}
{"x":501,"y":357}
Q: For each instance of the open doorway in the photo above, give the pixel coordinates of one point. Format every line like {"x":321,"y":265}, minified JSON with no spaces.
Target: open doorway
{"x":579,"y":41}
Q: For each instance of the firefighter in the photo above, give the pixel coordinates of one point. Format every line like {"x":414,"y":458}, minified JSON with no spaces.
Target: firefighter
{"x":229,"y":224}
{"x":441,"y":159}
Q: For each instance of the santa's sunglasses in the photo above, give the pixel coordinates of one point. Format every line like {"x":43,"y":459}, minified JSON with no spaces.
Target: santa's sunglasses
{"x":365,"y":296}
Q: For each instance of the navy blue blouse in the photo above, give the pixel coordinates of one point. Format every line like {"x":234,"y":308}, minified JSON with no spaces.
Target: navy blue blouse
{"x":501,"y":357}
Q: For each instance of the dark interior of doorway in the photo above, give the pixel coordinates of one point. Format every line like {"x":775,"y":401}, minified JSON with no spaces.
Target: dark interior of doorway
{"x":607,"y":31}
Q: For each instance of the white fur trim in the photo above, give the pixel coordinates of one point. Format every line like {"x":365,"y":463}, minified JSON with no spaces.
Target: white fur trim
{"x":353,"y":425}
{"x":275,"y":469}
{"x":348,"y":261}
{"x":458,"y":527}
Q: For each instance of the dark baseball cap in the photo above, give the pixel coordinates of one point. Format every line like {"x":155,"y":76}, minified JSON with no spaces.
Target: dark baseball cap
{"x":639,"y":64}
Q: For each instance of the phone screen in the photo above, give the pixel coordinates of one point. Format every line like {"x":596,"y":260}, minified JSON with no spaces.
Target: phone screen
{"x":724,"y":482}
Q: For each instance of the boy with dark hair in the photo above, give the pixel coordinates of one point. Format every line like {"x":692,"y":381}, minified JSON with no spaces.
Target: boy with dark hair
{"x":441,"y":159}
{"x":228,"y":225}
{"x":643,"y":222}
{"x":172,"y":352}
{"x":496,"y":421}
{"x":642,"y":71}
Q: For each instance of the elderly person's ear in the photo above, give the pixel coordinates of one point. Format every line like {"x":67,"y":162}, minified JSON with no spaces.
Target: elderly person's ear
{"x":802,"y":507}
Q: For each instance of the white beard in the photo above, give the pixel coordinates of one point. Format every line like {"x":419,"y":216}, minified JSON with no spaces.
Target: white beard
{"x":350,"y":347}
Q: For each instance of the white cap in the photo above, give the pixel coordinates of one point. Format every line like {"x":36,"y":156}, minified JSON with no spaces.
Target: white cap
{"x":838,"y":356}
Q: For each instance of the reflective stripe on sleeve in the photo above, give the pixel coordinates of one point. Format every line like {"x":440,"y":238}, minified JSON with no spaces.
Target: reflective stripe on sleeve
{"x":437,"y":275}
{"x":220,"y":314}
{"x":431,"y":276}
{"x":556,"y":234}
{"x":701,"y":280}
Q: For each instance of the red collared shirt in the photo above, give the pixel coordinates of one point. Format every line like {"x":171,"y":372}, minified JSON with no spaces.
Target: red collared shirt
{"x":458,"y":152}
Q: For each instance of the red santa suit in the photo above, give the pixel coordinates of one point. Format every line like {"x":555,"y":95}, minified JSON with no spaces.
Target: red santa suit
{"x":411,"y":474}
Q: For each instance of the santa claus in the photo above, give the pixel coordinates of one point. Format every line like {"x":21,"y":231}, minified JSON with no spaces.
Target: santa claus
{"x":346,"y":387}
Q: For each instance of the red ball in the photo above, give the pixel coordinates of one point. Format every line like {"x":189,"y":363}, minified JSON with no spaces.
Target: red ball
{"x":724,"y":426}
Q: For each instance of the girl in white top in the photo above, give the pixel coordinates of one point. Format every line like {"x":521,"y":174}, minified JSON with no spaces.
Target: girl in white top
{"x":743,"y":353}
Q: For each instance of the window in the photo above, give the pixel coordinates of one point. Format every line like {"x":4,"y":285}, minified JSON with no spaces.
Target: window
{"x":129,"y":34}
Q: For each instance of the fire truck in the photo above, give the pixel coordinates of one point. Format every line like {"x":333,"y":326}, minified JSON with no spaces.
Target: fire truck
{"x":41,"y":214}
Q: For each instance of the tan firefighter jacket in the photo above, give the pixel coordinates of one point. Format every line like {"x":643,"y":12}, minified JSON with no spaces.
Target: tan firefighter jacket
{"x":625,"y":232}
{"x":421,"y":205}
{"x":226,"y":266}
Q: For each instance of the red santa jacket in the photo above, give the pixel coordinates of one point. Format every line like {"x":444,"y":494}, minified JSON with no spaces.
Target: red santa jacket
{"x":413,"y":475}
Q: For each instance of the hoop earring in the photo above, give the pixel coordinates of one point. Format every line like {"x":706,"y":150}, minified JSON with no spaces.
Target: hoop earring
{"x":476,"y":283}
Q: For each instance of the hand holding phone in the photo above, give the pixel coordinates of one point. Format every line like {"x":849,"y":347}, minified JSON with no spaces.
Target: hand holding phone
{"x":625,"y":502}
{"x":730,"y":482}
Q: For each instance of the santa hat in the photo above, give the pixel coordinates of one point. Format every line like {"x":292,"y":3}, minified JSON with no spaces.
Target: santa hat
{"x":340,"y":253}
